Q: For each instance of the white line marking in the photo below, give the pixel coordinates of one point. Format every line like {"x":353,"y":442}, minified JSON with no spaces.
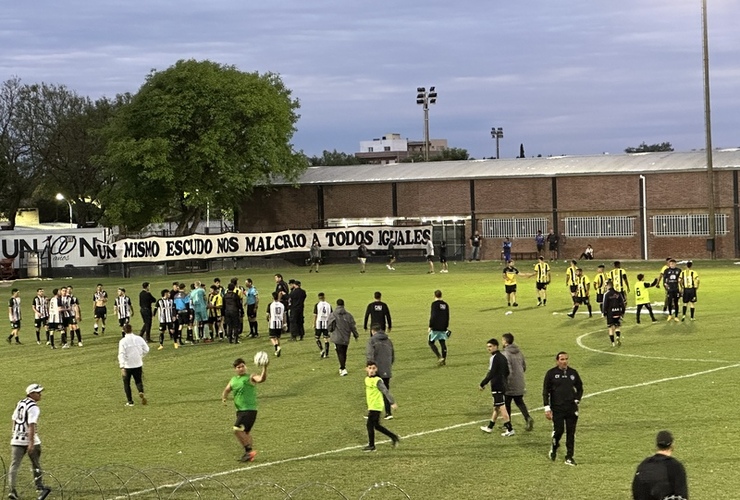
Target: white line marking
{"x":580,"y":343}
{"x":416,"y":434}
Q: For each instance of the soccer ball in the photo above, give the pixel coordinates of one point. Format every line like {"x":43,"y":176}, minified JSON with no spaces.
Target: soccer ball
{"x":261,"y":359}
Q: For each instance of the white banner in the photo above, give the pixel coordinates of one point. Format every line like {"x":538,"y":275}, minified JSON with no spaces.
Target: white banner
{"x":75,"y":247}
{"x":199,"y":246}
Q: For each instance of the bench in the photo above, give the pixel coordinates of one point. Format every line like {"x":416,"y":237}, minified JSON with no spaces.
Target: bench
{"x":522,"y":256}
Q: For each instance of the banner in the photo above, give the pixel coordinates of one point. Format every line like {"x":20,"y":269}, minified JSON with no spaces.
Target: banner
{"x":199,"y":246}
{"x":66,"y":247}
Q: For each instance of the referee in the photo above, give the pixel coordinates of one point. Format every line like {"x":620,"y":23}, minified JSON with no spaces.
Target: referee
{"x":660,"y":476}
{"x":561,"y":393}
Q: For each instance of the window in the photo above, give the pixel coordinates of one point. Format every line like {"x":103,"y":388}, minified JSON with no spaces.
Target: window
{"x":386,"y":148}
{"x":600,"y":227}
{"x":688,"y":225}
{"x":370,"y":149}
{"x":515,"y":227}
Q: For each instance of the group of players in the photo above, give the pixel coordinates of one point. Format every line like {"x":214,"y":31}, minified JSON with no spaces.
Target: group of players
{"x":611,"y":289}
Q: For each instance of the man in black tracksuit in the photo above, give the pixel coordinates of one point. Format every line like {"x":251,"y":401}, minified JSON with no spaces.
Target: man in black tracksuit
{"x":660,"y":476}
{"x":561,"y":393}
{"x":146,"y":299}
{"x":296,"y":301}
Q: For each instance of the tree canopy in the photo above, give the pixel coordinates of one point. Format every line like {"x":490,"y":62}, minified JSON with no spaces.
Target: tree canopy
{"x":198,"y":134}
{"x":652,"y":148}
{"x":335,"y":159}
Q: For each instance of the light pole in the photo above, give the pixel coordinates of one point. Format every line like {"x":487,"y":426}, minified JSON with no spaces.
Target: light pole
{"x":708,"y":131}
{"x":497,"y":133}
{"x":425,"y":98}
{"x":61,"y":197}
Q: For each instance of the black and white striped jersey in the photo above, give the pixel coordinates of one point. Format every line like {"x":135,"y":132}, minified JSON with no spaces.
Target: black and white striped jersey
{"x":277,"y":312}
{"x":166,"y":310}
{"x":14,"y":309}
{"x":123,"y":306}
{"x":322,"y":310}
{"x":40,"y":307}
{"x":26,"y":412}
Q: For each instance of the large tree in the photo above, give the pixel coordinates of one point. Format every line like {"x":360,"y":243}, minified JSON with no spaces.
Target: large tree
{"x":198,"y":134}
{"x":650,"y":148}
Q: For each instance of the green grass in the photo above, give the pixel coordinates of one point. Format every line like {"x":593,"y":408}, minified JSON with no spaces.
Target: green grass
{"x":306,"y":408}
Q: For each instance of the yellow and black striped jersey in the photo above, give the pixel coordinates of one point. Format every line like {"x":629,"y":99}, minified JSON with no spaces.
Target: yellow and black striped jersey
{"x":542,"y":272}
{"x":582,"y":284}
{"x":689,"y":278}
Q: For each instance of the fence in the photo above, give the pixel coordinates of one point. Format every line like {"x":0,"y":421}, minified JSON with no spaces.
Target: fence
{"x":688,"y":225}
{"x":514,"y":227}
{"x":600,"y":227}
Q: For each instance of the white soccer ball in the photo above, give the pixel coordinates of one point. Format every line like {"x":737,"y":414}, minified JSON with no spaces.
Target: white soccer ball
{"x":509,"y":312}
{"x":261,"y":359}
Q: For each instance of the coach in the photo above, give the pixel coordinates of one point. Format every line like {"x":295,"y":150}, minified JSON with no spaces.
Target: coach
{"x":561,"y":393}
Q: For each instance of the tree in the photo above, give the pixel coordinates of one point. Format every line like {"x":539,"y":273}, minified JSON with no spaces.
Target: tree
{"x":652,"y":148}
{"x":335,"y":159}
{"x":19,"y":167}
{"x":198,"y":134}
{"x":448,"y":154}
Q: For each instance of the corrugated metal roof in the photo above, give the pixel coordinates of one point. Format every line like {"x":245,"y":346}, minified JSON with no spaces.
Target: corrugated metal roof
{"x":520,"y":167}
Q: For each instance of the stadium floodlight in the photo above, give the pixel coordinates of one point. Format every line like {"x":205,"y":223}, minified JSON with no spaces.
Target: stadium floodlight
{"x":425,"y":98}
{"x":497,"y":133}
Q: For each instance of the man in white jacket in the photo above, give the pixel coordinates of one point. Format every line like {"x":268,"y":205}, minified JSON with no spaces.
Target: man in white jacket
{"x":131,"y":351}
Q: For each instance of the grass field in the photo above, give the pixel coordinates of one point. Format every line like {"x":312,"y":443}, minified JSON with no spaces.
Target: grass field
{"x":679,"y":376}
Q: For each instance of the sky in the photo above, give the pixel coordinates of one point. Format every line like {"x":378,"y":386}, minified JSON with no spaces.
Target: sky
{"x":576,"y":77}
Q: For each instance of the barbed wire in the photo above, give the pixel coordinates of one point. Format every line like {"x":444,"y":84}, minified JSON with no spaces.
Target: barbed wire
{"x":124,"y":482}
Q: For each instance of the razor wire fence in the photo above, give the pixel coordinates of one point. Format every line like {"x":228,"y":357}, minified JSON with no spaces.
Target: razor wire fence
{"x":124,"y":482}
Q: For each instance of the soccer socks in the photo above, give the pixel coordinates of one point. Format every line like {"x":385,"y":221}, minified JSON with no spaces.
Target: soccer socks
{"x":38,"y":335}
{"x":507,"y":426}
{"x":692,"y":312}
{"x":619,"y":334}
{"x":318,"y":343}
{"x":611,"y":338}
{"x":589,"y":309}
{"x":491,"y":423}
{"x":326,"y":349}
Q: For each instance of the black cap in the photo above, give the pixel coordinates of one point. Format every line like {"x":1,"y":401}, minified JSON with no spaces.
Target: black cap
{"x":291,"y":282}
{"x":664,"y":440}
{"x":298,"y":283}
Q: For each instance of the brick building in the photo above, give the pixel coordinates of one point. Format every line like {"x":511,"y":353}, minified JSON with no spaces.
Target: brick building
{"x":637,"y":206}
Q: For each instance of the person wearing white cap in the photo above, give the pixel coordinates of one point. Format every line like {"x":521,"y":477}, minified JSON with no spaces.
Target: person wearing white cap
{"x":25,"y":439}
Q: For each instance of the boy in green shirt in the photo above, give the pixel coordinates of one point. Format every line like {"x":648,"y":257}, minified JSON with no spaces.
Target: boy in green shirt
{"x":375,"y":389}
{"x":245,"y":400}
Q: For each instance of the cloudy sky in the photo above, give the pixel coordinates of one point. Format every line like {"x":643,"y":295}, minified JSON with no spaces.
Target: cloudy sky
{"x":574,"y":77}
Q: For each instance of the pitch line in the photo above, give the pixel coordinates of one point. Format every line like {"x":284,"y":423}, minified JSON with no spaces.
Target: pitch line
{"x":416,"y":434}
{"x":580,"y":343}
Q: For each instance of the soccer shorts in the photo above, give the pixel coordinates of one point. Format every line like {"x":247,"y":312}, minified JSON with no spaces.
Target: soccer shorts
{"x":101,"y":312}
{"x":510,"y":288}
{"x":321,"y":332}
{"x":15,"y":325}
{"x":438,"y":335}
{"x":245,"y":420}
{"x":541,"y":285}
{"x":201,"y":315}
{"x":614,"y":321}
{"x":275,"y":333}
{"x":689,"y":295}
{"x":123,"y":321}
{"x":251,"y":311}
{"x":39,"y":322}
{"x":498,"y":398}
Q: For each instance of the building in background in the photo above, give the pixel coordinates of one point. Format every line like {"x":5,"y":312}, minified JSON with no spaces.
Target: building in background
{"x":391,"y":148}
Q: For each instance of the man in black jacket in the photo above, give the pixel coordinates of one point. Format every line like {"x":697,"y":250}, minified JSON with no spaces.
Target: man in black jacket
{"x":296,"y":301}
{"x":146,"y":299}
{"x":439,"y":322}
{"x":378,"y":313}
{"x":233,"y":310}
{"x":561,"y":394}
{"x":498,"y":372}
{"x":660,"y":476}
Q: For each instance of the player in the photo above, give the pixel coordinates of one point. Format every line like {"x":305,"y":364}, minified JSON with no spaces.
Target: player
{"x":276,"y":321}
{"x":215,"y":306}
{"x":583,"y":291}
{"x":443,"y":257}
{"x":100,"y":308}
{"x":509,"y":275}
{"x":321,"y":312}
{"x":660,"y":280}
{"x":689,"y":281}
{"x":570,"y":280}
{"x":362,"y":255}
{"x":672,"y":284}
{"x":439,"y":322}
{"x":391,"y":257}
{"x":124,"y":311}
{"x":41,"y":315}
{"x":498,"y":373}
{"x":599,"y":286}
{"x":14,"y":315}
{"x":166,"y":314}
{"x":66,"y":308}
{"x":253,"y":302}
{"x":55,"y":315}
{"x":542,"y":274}
{"x":75,"y":317}
{"x":642,"y":296}
{"x":245,"y":401}
{"x":429,"y":250}
{"x":614,"y":310}
{"x":618,"y":277}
